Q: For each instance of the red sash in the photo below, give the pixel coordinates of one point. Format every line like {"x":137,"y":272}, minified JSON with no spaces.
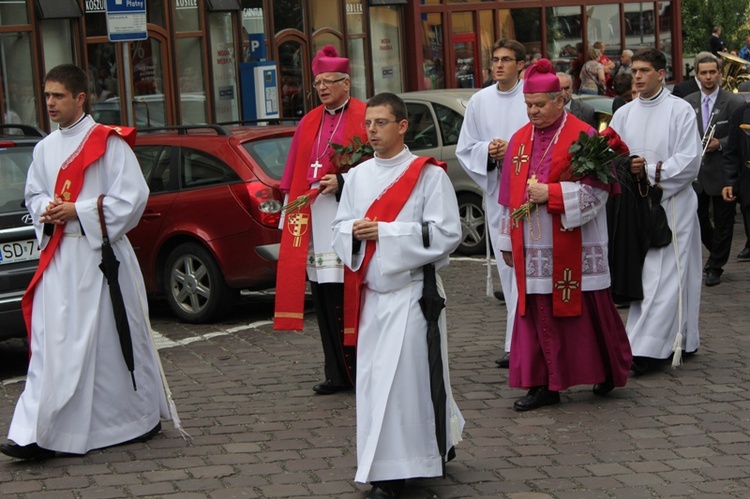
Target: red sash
{"x":385,"y":209}
{"x":567,"y":256}
{"x":68,"y":186}
{"x":295,"y":238}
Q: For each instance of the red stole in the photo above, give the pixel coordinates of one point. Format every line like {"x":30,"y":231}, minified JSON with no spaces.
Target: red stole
{"x":68,"y":186}
{"x":384,"y":209}
{"x":295,"y":238}
{"x":567,"y":259}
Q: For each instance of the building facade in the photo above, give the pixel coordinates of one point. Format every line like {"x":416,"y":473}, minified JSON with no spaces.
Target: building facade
{"x":190,"y":69}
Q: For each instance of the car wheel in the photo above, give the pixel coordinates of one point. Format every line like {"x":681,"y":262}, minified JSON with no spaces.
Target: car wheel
{"x":195,"y":287}
{"x":473,"y":231}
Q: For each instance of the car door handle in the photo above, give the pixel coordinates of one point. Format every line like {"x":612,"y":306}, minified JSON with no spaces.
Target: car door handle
{"x":151,"y":215}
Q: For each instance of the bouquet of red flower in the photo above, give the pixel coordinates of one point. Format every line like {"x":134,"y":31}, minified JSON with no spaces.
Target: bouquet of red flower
{"x":344,"y":158}
{"x":592,"y":156}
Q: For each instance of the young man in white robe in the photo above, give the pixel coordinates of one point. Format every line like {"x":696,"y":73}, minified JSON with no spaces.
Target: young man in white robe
{"x":79,"y":395}
{"x":661,"y":131}
{"x":492,"y":116}
{"x":386,"y":250}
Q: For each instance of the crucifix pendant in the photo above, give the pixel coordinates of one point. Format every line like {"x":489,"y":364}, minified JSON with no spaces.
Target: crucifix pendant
{"x":316,"y":166}
{"x":532,"y":180}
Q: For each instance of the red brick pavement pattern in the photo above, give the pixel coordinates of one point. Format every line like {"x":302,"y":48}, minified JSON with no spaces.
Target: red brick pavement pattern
{"x":260,"y":432}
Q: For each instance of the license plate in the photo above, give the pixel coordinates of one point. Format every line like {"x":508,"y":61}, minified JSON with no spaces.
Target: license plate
{"x":19,"y":251}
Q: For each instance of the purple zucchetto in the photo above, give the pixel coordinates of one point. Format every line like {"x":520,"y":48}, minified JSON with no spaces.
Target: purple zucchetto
{"x":327,"y":60}
{"x":541,"y":78}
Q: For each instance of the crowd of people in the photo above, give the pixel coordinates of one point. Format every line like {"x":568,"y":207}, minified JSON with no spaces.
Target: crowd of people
{"x":371,"y":239}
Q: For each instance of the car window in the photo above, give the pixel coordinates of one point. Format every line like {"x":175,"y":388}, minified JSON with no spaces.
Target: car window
{"x":199,"y":169}
{"x":14,"y":166}
{"x":270,"y":154}
{"x":155,"y":164}
{"x":422,"y":132}
{"x":450,"y":124}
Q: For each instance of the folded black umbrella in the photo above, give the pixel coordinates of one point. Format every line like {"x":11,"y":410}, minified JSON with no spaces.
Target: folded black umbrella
{"x":110,"y":268}
{"x":432,"y":304}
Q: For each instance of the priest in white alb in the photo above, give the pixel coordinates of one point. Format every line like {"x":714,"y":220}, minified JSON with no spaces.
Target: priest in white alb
{"x":492,"y":116}
{"x":397,"y":214}
{"x":662,"y":131}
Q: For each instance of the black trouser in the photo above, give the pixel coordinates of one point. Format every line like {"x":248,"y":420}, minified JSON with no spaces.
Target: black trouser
{"x":716,"y":236}
{"x":745,"y":210}
{"x":340,"y":361}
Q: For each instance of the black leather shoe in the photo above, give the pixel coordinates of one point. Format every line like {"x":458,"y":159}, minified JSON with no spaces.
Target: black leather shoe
{"x":604,"y":387}
{"x":500,"y":296}
{"x":328,"y":388}
{"x":713,"y":277}
{"x":640,"y":365}
{"x":504,"y":361}
{"x":539,"y":396}
{"x":390,"y":489}
{"x":28,"y":452}
{"x":146,"y":436}
{"x":744,"y":254}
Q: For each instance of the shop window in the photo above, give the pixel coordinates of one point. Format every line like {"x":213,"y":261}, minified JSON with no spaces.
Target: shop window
{"x":191,"y":81}
{"x":486,"y":40}
{"x":186,"y":16}
{"x":433,"y":51}
{"x":639,"y":25}
{"x":465,"y":49}
{"x":19,"y":91}
{"x":665,"y":35}
{"x":603,"y":25}
{"x":564,"y":32}
{"x":225,"y":94}
{"x":155,"y":12}
{"x":104,"y":86}
{"x":523,"y":25}
{"x":288,"y":14}
{"x":58,"y":9}
{"x":325,"y":14}
{"x":96,"y":19}
{"x":354,"y":15}
{"x":322,"y":39}
{"x":149,"y":105}
{"x":385,"y":26}
{"x":13,"y":12}
{"x":57,"y":36}
{"x":292,"y":80}
{"x":357,"y":64}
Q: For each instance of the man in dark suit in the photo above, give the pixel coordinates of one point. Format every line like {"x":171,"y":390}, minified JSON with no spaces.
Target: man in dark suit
{"x":737,"y":170}
{"x":715,"y":42}
{"x":690,"y":84}
{"x":713,"y":108}
{"x":580,"y":110}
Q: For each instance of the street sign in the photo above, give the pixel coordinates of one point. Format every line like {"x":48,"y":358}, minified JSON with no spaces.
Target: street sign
{"x":126,"y":20}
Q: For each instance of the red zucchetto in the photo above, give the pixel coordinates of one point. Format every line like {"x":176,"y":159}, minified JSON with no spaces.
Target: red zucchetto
{"x":540,"y":78}
{"x":327,"y":60}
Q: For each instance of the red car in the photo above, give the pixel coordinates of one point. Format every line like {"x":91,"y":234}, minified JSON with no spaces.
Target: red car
{"x":214,"y":200}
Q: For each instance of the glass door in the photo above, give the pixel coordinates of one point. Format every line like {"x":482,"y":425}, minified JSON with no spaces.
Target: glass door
{"x":467,"y":70}
{"x":152,"y":96}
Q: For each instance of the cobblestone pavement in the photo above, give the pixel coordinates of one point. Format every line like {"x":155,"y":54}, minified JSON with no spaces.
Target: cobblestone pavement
{"x":244,"y":394}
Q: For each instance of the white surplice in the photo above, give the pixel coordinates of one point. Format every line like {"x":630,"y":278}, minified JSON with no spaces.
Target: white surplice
{"x":79,"y":395}
{"x":395,"y":420}
{"x":492,"y":114}
{"x":665,"y":129}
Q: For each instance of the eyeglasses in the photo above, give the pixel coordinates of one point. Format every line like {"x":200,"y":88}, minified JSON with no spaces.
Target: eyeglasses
{"x":566,"y":88}
{"x":326,"y":83}
{"x":378,"y":123}
{"x":504,"y":60}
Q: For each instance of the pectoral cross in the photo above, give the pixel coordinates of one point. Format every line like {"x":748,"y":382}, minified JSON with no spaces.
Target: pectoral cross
{"x":532,"y":180}
{"x":316,"y":166}
{"x":520,"y":158}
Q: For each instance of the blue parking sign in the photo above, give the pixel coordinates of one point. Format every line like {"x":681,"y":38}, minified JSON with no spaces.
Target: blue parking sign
{"x":126,"y":20}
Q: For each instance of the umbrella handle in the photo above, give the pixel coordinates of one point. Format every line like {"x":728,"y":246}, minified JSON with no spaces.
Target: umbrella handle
{"x":102,"y":223}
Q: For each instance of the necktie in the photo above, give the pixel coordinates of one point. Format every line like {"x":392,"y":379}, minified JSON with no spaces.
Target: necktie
{"x":706,"y":111}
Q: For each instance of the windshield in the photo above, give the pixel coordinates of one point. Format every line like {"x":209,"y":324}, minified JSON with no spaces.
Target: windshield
{"x":270,"y":154}
{"x":14,"y":164}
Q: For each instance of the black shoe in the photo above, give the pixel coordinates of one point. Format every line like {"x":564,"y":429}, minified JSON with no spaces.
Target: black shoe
{"x":744,"y":254}
{"x":28,"y":452}
{"x":146,"y":436}
{"x":640,"y":365}
{"x":539,"y":396}
{"x":387,"y":489}
{"x":500,"y":296}
{"x":713,"y":277}
{"x":504,"y":361}
{"x":604,"y":387}
{"x":328,"y":388}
